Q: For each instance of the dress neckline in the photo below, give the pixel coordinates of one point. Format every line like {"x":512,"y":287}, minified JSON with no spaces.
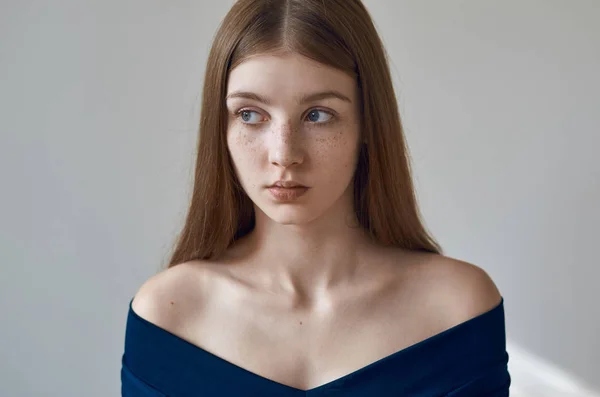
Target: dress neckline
{"x":329,"y":384}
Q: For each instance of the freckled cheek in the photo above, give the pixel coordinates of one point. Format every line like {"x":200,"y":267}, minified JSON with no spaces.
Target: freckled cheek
{"x":335,"y":151}
{"x":242,"y":145}
{"x":245,"y":152}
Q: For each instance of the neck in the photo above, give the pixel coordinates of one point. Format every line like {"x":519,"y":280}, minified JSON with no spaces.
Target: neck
{"x":309,"y":259}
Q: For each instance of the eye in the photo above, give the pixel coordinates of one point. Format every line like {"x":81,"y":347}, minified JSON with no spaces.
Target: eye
{"x":249,"y":116}
{"x":313,"y":116}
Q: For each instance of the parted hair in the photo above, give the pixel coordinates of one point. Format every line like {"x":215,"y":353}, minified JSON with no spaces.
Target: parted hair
{"x":337,"y":33}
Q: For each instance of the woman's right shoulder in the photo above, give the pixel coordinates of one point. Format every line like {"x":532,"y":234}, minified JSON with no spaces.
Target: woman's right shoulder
{"x":169,"y":297}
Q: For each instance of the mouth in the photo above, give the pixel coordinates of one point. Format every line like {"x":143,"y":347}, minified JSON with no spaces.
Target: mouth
{"x":287,"y":185}
{"x":287,"y":194}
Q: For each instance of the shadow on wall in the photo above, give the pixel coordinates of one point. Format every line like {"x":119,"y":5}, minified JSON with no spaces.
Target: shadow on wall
{"x":534,"y":377}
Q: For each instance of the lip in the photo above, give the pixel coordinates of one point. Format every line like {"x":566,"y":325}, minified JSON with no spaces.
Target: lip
{"x":287,"y":194}
{"x":286,"y":184}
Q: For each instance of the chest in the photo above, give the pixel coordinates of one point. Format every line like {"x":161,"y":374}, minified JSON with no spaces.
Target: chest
{"x":305,"y":350}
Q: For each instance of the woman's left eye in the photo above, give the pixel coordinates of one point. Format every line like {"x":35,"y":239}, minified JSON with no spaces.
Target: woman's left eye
{"x":313,"y":116}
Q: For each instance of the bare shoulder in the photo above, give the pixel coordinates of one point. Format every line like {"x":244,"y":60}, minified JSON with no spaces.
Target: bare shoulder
{"x":459,"y":289}
{"x":168,"y":297}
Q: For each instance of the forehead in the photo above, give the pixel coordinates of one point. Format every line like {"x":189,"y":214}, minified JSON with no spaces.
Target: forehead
{"x":288,"y":74}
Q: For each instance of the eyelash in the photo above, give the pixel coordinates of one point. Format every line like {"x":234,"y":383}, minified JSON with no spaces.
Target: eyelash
{"x":238,"y":115}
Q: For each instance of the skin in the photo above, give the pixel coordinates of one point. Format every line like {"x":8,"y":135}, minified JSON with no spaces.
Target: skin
{"x":307,"y":247}
{"x":306,"y":298}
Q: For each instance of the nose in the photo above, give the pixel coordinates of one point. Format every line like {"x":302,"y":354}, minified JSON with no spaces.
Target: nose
{"x":285,"y":147}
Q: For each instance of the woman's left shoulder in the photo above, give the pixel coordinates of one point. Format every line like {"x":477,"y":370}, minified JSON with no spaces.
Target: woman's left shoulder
{"x":462,"y":290}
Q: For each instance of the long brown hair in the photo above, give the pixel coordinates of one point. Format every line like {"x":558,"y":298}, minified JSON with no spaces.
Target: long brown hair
{"x":338,"y":33}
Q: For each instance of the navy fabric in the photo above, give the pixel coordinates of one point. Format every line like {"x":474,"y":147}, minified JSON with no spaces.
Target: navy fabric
{"x":469,"y":359}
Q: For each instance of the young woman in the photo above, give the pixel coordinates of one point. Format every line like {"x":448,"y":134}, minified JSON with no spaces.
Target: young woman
{"x":303,"y":267}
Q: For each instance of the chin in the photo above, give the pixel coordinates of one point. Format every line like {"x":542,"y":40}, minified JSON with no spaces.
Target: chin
{"x":286,"y":214}
{"x":290,"y":216}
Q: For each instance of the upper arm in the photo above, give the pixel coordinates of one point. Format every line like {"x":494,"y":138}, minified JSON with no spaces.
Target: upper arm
{"x":165,"y":298}
{"x":475,"y":289}
{"x":463,"y":289}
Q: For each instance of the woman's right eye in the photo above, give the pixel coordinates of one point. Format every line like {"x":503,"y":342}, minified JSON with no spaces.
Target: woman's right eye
{"x":249,"y":116}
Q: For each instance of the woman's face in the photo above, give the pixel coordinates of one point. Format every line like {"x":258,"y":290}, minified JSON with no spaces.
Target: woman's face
{"x":291,"y":118}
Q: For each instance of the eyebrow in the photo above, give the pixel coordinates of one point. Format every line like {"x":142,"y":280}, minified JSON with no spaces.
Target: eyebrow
{"x":301,"y":100}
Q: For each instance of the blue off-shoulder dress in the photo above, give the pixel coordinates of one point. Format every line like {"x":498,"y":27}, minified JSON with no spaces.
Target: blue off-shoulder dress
{"x":469,"y":359}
